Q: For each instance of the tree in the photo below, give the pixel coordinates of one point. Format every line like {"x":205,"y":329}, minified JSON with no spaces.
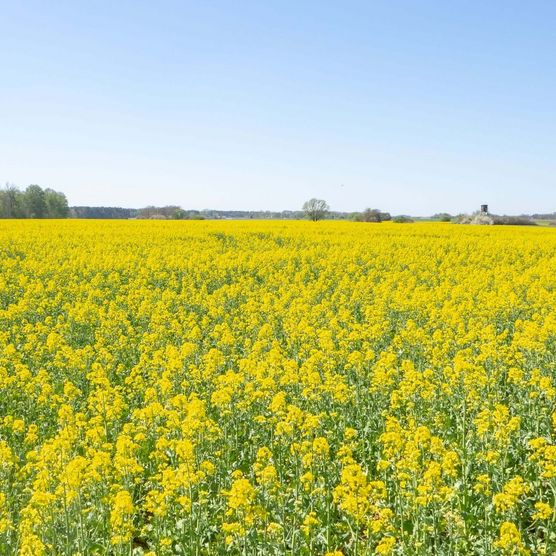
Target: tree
{"x":315,"y":209}
{"x":34,"y":200}
{"x":374,"y":215}
{"x":11,"y":202}
{"x":56,"y":204}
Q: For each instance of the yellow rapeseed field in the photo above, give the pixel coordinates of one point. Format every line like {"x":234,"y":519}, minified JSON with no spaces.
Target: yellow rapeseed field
{"x":276,"y":388}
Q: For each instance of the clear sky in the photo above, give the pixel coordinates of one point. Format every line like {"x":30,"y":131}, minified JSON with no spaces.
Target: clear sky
{"x":414,"y":106}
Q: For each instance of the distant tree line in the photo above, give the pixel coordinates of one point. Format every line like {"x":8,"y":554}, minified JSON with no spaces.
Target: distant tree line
{"x":506,"y":220}
{"x":170,"y":212}
{"x":32,"y":202}
{"x":546,"y":216}
{"x":372,"y":215}
{"x":177,"y":213}
{"x":107,"y":213}
{"x":442,"y":217}
{"x":36,"y":202}
{"x":318,"y":209}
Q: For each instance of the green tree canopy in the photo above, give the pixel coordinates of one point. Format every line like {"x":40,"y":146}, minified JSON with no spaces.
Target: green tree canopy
{"x":56,"y":204}
{"x":34,"y":201}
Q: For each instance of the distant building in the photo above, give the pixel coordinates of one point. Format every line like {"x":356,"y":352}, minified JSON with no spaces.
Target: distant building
{"x":484,"y":209}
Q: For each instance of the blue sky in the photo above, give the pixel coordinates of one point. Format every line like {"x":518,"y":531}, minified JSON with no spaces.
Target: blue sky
{"x":414,"y":106}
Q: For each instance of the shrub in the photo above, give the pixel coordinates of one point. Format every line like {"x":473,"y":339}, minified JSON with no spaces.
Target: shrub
{"x":514,"y":221}
{"x":372,"y":215}
{"x":442,"y":217}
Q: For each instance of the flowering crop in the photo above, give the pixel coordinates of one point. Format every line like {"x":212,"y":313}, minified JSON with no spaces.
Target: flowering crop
{"x":276,"y":388}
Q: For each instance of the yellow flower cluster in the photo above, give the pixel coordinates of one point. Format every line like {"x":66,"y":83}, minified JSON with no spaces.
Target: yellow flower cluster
{"x":276,"y":388}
